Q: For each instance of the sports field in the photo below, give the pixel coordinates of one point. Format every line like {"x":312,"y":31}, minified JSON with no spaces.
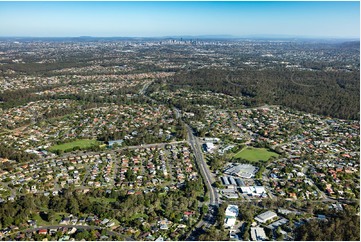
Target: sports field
{"x":255,"y":154}
{"x":79,"y":144}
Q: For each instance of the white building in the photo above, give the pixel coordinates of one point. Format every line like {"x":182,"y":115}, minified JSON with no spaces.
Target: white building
{"x":229,"y":222}
{"x":232,"y":210}
{"x":231,"y":216}
{"x":214,"y":140}
{"x":258,"y":234}
{"x":209,"y":147}
{"x":264,"y":217}
{"x":254,"y":190}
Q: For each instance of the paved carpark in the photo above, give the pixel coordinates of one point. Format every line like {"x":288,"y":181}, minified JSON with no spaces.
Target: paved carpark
{"x":238,"y":227}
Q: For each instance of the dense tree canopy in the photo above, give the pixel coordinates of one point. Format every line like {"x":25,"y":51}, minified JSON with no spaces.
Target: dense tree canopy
{"x":326,"y":93}
{"x":343,"y":227}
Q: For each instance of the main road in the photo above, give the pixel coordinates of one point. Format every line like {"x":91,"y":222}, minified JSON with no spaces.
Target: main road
{"x":208,"y":179}
{"x":206,"y":174}
{"x":209,"y":218}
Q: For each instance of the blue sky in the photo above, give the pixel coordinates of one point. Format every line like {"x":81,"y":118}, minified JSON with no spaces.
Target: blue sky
{"x":153,"y":19}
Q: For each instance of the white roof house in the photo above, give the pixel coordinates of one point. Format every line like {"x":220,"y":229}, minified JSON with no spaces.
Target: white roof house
{"x":258,"y":234}
{"x":264,"y":217}
{"x":231,"y":216}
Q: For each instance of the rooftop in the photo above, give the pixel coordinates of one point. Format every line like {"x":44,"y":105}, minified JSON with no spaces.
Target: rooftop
{"x":232,"y":211}
{"x":263,"y":217}
{"x":258,"y":234}
{"x":242,"y":170}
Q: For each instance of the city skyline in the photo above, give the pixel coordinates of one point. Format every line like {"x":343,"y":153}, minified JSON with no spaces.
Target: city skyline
{"x":159,"y":19}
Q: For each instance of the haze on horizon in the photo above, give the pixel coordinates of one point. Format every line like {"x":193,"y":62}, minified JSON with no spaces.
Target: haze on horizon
{"x":158,"y":19}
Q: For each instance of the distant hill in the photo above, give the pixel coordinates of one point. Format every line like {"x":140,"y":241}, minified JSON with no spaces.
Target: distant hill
{"x":350,"y":45}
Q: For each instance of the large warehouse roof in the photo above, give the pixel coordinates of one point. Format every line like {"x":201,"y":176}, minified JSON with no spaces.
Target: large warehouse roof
{"x":264,"y":217}
{"x":242,"y":170}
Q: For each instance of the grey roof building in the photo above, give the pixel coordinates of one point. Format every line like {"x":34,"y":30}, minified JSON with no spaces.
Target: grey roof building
{"x":242,"y":170}
{"x":264,"y":217}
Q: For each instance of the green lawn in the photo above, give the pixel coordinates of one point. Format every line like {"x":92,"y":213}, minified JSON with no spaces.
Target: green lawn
{"x":81,"y":144}
{"x":138,"y":215}
{"x":102,"y":199}
{"x":255,"y":154}
{"x":40,"y":221}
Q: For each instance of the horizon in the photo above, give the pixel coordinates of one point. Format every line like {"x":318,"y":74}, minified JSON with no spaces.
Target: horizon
{"x":184,"y":38}
{"x":322,"y":20}
{"x":194,"y":37}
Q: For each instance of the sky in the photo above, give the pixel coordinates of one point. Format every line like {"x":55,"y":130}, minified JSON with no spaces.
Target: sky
{"x":158,"y":19}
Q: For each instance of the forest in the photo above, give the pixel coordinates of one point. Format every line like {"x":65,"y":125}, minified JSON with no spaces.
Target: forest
{"x":343,"y":226}
{"x":334,"y":94}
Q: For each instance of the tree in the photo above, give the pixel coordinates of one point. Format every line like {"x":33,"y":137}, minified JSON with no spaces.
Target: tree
{"x":51,"y":216}
{"x":214,"y":234}
{"x":204,"y":209}
{"x":221,"y":215}
{"x":130,"y":176}
{"x":332,"y":229}
{"x":73,"y":206}
{"x":246,"y":235}
{"x":280,"y":237}
{"x":7,"y":221}
{"x":82,"y":235}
